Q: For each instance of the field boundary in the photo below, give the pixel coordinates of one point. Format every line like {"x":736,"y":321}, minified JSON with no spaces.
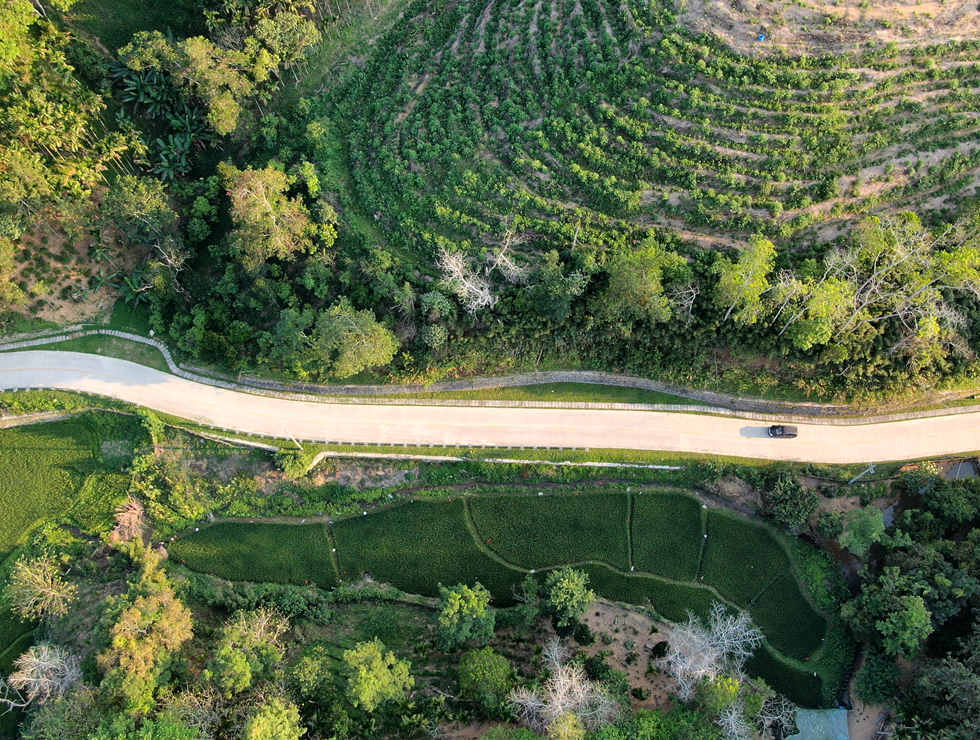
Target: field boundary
{"x":711,"y":402}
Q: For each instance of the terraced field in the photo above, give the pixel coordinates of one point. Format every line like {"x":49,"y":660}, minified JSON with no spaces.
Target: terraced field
{"x":578,"y":124}
{"x":621,"y":539}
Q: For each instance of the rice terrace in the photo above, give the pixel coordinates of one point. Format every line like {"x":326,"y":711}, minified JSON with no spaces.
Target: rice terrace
{"x":489,"y":369}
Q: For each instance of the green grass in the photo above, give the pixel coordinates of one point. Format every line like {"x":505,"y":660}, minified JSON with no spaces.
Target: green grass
{"x":43,"y":466}
{"x":12,"y":322}
{"x":740,"y":558}
{"x":670,"y":600}
{"x":667,"y":534}
{"x":417,"y":546}
{"x":546,"y":531}
{"x":125,"y":317}
{"x":585,"y":392}
{"x":799,"y":685}
{"x":283,"y":553}
{"x":98,"y":344}
{"x":781,"y":610}
{"x":113,"y":22}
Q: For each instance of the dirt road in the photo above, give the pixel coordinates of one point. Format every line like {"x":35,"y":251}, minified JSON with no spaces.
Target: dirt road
{"x":504,"y":427}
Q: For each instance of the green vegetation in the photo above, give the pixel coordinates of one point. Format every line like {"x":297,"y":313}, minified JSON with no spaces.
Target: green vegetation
{"x":418,"y":545}
{"x":44,"y":467}
{"x":587,"y":392}
{"x":521,"y":529}
{"x":667,"y":534}
{"x":282,"y":553}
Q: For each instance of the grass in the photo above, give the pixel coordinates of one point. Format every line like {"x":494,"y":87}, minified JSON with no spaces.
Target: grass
{"x":113,"y":22}
{"x":417,"y":546}
{"x":547,"y":531}
{"x":44,"y":466}
{"x":740,"y":558}
{"x":670,"y":600}
{"x":780,"y":610}
{"x":283,"y":553}
{"x":667,"y":535}
{"x":12,"y":322}
{"x":562,"y":392}
{"x":98,"y":344}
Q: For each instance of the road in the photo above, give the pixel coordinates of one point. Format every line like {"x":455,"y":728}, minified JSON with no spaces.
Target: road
{"x":504,"y":427}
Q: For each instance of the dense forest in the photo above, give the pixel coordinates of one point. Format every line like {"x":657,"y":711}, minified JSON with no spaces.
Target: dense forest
{"x":475,"y":189}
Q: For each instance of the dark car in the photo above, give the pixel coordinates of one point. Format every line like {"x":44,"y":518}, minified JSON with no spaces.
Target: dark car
{"x":782,"y":431}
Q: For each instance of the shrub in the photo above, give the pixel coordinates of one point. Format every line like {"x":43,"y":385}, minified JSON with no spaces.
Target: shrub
{"x":788,"y":502}
{"x":877,"y":680}
{"x":486,"y":677}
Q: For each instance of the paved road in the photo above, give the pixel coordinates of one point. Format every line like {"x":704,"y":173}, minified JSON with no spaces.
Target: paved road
{"x":506,"y":427}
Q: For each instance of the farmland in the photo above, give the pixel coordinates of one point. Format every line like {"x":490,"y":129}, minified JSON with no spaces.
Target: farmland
{"x":497,"y":539}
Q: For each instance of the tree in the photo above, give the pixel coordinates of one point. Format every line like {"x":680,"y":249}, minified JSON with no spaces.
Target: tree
{"x":248,"y":649}
{"x":37,"y":590}
{"x":43,"y":673}
{"x":636,"y":283}
{"x":569,"y":595}
{"x":139,"y":207}
{"x":890,"y":610}
{"x":275,"y":719}
{"x":268,"y":223}
{"x":74,"y":714}
{"x":375,"y":676}
{"x":348,"y":341}
{"x":863,"y":527}
{"x":877,"y":680}
{"x":485,"y":677}
{"x":788,"y":502}
{"x":149,"y":623}
{"x":465,"y":614}
{"x":741,"y":284}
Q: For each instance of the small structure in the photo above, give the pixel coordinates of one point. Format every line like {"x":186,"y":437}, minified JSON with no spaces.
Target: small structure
{"x":821,"y":724}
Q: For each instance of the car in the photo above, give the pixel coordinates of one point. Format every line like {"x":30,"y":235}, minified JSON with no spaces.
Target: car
{"x":782,"y":431}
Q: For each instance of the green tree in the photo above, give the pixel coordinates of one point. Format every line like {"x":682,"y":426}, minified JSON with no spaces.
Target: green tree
{"x":248,"y":650}
{"x":268,"y":223}
{"x":788,"y":502}
{"x":139,"y":207}
{"x":485,"y":677}
{"x":890,"y":611}
{"x":275,"y":719}
{"x":465,"y":614}
{"x":636,"y":283}
{"x":862,"y":528}
{"x":36,"y":589}
{"x":569,"y":595}
{"x":877,"y":681}
{"x":375,"y":676}
{"x":348,"y":341}
{"x":741,"y":284}
{"x":148,"y":625}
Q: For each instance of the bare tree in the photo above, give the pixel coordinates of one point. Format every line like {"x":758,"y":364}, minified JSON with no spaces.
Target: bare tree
{"x":697,"y":652}
{"x":130,"y":521}
{"x":472,"y":289}
{"x":776,"y":718}
{"x":43,"y":673}
{"x":567,"y":690}
{"x":733,"y":723}
{"x":37,"y":589}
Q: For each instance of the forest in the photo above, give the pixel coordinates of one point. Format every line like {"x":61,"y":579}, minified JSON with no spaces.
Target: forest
{"x":266,"y":200}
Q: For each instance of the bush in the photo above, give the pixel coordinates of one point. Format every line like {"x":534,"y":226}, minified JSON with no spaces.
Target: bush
{"x":877,"y":680}
{"x":830,"y":524}
{"x":788,"y":502}
{"x":486,"y":677}
{"x":863,"y":528}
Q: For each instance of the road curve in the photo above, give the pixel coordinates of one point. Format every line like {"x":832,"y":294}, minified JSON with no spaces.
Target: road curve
{"x":504,"y":427}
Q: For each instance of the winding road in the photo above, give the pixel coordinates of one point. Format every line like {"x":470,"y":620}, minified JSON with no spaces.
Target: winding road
{"x":391,"y":423}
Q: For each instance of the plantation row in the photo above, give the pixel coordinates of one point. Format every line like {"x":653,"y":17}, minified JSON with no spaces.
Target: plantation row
{"x":582,"y":121}
{"x":641,"y":548}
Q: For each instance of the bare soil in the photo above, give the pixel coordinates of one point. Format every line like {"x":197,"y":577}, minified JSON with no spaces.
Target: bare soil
{"x":70,"y":275}
{"x":820,"y":26}
{"x":624,"y":636}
